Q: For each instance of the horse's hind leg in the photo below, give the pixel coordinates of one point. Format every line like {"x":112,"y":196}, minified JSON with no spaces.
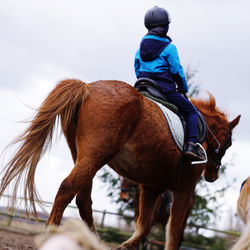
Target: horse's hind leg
{"x":79,"y":178}
{"x":147,"y":202}
{"x":84,"y":204}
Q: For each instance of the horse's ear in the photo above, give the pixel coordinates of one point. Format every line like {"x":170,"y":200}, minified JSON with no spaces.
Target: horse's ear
{"x":234,"y":122}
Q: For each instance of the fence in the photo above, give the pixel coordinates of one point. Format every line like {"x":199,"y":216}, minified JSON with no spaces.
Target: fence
{"x":104,"y":213}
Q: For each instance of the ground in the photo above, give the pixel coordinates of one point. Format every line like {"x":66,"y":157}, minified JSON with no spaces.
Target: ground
{"x":10,"y":240}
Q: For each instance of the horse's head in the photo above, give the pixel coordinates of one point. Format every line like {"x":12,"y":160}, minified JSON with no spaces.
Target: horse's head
{"x":219,"y":136}
{"x":216,"y":150}
{"x":127,"y":189}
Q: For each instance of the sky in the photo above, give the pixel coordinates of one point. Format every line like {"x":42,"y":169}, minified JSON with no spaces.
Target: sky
{"x":43,"y":42}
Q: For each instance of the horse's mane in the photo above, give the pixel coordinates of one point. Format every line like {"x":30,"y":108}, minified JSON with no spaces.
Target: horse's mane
{"x":209,"y":109}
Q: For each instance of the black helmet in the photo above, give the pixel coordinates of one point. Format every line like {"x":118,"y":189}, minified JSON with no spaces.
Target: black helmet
{"x":156,"y":17}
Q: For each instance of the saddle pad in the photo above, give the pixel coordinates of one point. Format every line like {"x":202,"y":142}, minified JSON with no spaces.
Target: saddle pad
{"x":175,"y":125}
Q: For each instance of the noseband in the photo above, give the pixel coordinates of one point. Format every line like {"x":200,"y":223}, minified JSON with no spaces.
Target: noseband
{"x":217,"y":153}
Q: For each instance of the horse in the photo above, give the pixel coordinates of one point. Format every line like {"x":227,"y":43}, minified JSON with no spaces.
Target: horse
{"x":130,"y":193}
{"x":243,"y":211}
{"x":73,"y":234}
{"x":110,"y":122}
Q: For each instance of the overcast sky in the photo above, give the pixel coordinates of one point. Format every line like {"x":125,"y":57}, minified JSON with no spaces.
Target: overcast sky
{"x":43,"y":42}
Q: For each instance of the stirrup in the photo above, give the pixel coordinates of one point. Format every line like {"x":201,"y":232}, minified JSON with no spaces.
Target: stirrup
{"x":204,"y":155}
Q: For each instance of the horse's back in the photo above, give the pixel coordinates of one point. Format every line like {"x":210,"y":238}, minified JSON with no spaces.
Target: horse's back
{"x":115,"y":92}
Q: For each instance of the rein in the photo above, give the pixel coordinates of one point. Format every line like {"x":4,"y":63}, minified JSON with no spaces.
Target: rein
{"x":217,"y":149}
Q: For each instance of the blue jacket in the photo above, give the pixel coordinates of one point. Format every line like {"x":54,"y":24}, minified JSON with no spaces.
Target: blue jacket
{"x":157,"y":58}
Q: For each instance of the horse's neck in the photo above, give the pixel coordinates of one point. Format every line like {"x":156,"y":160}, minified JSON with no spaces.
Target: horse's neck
{"x":211,"y":122}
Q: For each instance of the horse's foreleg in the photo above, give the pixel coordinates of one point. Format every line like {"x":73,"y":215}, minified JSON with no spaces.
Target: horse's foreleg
{"x":77,"y":180}
{"x":181,"y":207}
{"x":84,"y":204}
{"x":147,"y":202}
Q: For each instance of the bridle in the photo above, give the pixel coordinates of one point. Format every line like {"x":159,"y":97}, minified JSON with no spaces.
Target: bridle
{"x":218,"y":152}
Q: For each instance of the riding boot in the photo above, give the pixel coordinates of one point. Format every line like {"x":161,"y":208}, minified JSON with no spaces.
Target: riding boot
{"x":193,"y":152}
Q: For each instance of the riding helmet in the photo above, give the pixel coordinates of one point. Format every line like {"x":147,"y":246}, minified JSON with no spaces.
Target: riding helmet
{"x":156,"y":17}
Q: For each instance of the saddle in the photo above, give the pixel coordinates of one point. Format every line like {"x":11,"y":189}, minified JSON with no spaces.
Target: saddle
{"x":177,"y":124}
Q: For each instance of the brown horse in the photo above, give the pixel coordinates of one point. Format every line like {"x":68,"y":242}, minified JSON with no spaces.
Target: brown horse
{"x":130,"y":192}
{"x":111,"y":122}
{"x":243,"y":209}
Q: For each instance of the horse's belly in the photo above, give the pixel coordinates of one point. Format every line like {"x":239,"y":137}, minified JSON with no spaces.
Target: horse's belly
{"x":149,"y":167}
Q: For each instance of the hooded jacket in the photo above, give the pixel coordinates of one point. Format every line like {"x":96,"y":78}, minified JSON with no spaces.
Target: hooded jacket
{"x":157,"y":58}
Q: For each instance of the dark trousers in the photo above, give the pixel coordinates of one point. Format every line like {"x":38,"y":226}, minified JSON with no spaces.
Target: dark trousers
{"x":189,"y":112}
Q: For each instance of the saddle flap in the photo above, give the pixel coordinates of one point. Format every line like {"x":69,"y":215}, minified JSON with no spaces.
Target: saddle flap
{"x":176,"y":125}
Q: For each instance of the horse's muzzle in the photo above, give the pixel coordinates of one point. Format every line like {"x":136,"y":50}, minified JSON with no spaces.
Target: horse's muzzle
{"x":210,"y":179}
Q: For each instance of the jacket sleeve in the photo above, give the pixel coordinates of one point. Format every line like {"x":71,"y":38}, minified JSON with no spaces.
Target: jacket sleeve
{"x":176,"y":69}
{"x":137,"y":64}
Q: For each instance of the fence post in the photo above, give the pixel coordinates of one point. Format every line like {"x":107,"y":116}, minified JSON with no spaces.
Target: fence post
{"x":103,"y":217}
{"x":10,"y":217}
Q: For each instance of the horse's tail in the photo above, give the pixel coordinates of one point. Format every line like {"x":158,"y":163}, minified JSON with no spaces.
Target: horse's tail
{"x":62,"y":102}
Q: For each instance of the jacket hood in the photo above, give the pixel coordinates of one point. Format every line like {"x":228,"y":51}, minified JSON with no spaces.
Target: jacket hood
{"x":152,"y":46}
